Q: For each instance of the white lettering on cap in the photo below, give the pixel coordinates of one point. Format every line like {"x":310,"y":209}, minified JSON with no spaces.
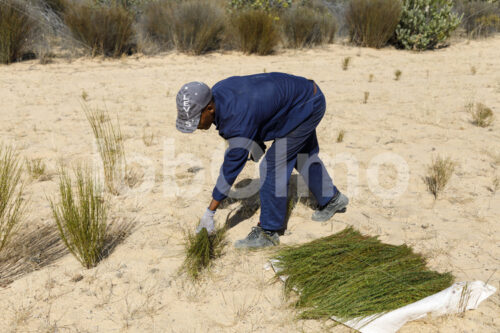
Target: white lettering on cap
{"x":186,"y":104}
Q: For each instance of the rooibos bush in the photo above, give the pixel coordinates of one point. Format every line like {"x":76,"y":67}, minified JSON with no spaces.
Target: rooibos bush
{"x":81,"y":216}
{"x":15,"y":29}
{"x":372,"y":22}
{"x":197,"y":26}
{"x":306,"y":27}
{"x":12,"y":205}
{"x":202,"y":248}
{"x":257,"y":32}
{"x":105,"y":30}
{"x":425,"y":24}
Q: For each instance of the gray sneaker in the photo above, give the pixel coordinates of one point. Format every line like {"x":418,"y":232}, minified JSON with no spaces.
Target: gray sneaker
{"x":258,"y":238}
{"x":336,"y":205}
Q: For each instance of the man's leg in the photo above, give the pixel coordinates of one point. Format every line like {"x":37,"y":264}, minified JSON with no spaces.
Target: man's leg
{"x":314,"y":173}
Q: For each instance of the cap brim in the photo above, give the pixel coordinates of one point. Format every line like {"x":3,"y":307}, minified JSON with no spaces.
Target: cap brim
{"x":187,"y":126}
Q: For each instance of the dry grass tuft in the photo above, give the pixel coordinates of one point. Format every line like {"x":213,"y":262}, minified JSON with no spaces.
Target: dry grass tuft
{"x":439,"y":173}
{"x":37,"y":169}
{"x":482,"y":116}
{"x":110,"y":145}
{"x":12,"y":204}
{"x":340,"y":136}
{"x":365,"y":97}
{"x":397,"y":75}
{"x":256,"y":31}
{"x":345,"y":63}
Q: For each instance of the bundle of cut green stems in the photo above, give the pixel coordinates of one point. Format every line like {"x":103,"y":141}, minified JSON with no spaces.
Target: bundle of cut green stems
{"x":348,"y":275}
{"x":202,"y":248}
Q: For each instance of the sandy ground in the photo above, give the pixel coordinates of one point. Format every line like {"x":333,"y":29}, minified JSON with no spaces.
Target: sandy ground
{"x":138,"y":287}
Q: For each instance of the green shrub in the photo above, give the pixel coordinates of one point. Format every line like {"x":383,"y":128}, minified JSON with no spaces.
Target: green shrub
{"x":202,"y":249}
{"x":12,"y":205}
{"x":105,"y":30}
{"x":425,"y":24}
{"x":257,"y":32}
{"x":480,"y":18}
{"x":372,"y":22}
{"x":81,"y":216}
{"x":438,"y":174}
{"x":110,"y":145}
{"x":15,"y":29}
{"x":306,"y":27}
{"x":197,"y":26}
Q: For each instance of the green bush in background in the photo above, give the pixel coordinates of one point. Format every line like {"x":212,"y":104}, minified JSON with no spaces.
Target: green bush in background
{"x":372,"y":22}
{"x":307,"y":27}
{"x":480,"y":18}
{"x":197,"y":26}
{"x":15,"y":28}
{"x":425,"y":24}
{"x":256,"y":31}
{"x":266,"y":5}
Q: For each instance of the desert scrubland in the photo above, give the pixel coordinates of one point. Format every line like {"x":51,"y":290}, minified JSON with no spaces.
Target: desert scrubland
{"x":392,"y":122}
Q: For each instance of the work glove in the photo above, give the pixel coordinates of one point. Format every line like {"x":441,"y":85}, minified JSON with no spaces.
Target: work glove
{"x":257,"y":152}
{"x":207,"y":222}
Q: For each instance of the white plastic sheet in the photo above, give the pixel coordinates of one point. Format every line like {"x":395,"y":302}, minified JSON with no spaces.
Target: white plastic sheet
{"x":458,"y":298}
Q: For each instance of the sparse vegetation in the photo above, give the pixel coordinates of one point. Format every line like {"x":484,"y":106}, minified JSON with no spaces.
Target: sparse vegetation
{"x":372,"y":22}
{"x":148,"y":137}
{"x":110,"y":145}
{"x":482,"y":115}
{"x":340,"y":136}
{"x":36,"y":169}
{"x":480,"y":18}
{"x":438,"y":175}
{"x":81,"y":215}
{"x":425,"y":24}
{"x":257,"y":32}
{"x":348,"y":275}
{"x":495,"y":185}
{"x":16,"y":27}
{"x":345,"y":63}
{"x":397,"y":75}
{"x":12,"y":204}
{"x":366,"y":96}
{"x":307,"y":27}
{"x":156,"y":22}
{"x":202,"y":249}
{"x":106,"y":30}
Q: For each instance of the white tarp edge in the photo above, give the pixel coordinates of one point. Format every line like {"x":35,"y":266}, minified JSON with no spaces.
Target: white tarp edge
{"x":458,"y":298}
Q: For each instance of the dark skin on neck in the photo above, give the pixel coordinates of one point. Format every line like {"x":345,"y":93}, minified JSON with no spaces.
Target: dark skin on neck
{"x":206,"y":121}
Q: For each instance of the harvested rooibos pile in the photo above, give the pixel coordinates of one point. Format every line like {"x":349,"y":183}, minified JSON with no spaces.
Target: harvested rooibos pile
{"x":348,"y":275}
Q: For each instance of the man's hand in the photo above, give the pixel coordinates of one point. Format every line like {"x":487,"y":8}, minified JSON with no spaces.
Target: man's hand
{"x":207,"y":222}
